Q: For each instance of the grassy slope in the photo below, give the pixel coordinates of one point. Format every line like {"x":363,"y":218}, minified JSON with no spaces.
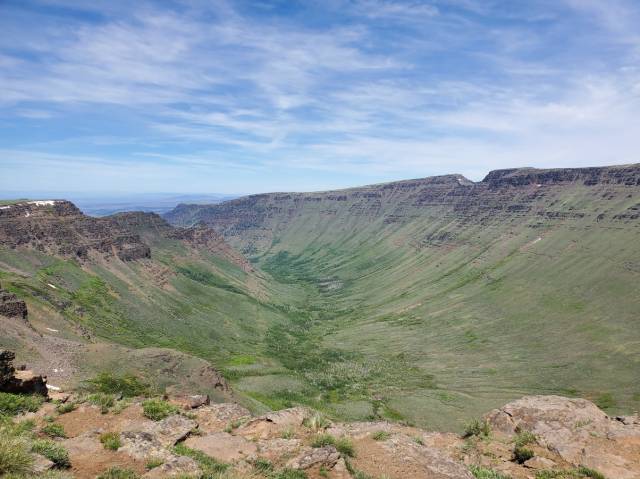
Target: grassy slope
{"x":394,"y":322}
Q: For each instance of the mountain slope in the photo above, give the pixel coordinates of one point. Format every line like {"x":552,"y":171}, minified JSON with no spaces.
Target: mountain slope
{"x":434,"y":299}
{"x":130,"y":279}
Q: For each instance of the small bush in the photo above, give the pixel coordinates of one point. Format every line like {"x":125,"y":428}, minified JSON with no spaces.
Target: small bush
{"x":522,"y":454}
{"x":66,"y":407}
{"x":52,"y":451}
{"x":381,"y":436}
{"x":14,"y":455}
{"x":102,"y":400}
{"x":586,"y":472}
{"x":153,"y":463}
{"x":418,"y":440}
{"x":208,"y":464}
{"x":54,"y":430}
{"x":12,"y":404}
{"x":477,"y":428}
{"x":127,"y":385}
{"x":111,"y":441}
{"x":157,"y":409}
{"x":484,"y":473}
{"x":118,"y":473}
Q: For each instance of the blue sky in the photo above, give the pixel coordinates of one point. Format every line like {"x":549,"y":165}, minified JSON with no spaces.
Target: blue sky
{"x":254,"y":96}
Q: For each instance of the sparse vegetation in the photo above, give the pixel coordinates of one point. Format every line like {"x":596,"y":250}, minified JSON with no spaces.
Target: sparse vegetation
{"x":111,"y":441}
{"x":118,"y":473}
{"x":287,"y":473}
{"x":381,"y":435}
{"x":579,"y":473}
{"x":342,"y":444}
{"x":102,"y":400}
{"x":522,"y":454}
{"x":12,"y":404}
{"x":158,"y":409}
{"x":484,"y":473}
{"x":153,"y":463}
{"x":126,"y":385}
{"x":316,"y":422}
{"x":263,"y":465}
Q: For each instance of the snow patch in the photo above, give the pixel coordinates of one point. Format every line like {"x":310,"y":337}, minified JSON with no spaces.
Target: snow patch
{"x":52,"y":330}
{"x":52,"y":286}
{"x":42,"y":203}
{"x":53,"y":388}
{"x":5,"y":207}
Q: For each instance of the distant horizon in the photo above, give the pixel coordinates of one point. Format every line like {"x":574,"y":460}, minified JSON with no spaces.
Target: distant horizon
{"x":115,"y":195}
{"x":240,"y":96}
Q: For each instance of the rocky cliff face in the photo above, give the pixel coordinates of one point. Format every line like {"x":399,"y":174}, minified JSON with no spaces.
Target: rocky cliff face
{"x":59,"y":227}
{"x":252,"y":222}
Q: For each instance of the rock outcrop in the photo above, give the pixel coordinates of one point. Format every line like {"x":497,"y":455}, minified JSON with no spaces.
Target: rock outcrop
{"x":576,"y":430}
{"x":21,"y":381}
{"x":11,"y":306}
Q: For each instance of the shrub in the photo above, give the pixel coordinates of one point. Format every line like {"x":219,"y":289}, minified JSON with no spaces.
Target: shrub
{"x":153,"y":463}
{"x":522,"y":454}
{"x":484,"y":473}
{"x":586,"y":472}
{"x":127,"y":385}
{"x":54,"y":430}
{"x":52,"y":451}
{"x":118,"y":473}
{"x":157,"y":409}
{"x":111,"y":441}
{"x":345,"y":447}
{"x":208,"y":464}
{"x":14,"y":455}
{"x":381,"y":436}
{"x":477,"y":428}
{"x":12,"y":404}
{"x":65,"y":408}
{"x":102,"y":400}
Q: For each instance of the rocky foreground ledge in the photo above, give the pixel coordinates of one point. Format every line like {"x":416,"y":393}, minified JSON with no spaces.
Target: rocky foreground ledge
{"x":533,"y":437}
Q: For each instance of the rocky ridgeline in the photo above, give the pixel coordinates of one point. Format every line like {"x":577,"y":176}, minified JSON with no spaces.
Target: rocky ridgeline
{"x":519,"y":440}
{"x":504,"y":195}
{"x":59,"y":227}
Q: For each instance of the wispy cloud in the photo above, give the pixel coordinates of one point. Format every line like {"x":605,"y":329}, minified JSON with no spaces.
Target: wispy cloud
{"x":369,"y":89}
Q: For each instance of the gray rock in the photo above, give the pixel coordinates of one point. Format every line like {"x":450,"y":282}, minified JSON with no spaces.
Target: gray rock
{"x":326,"y":456}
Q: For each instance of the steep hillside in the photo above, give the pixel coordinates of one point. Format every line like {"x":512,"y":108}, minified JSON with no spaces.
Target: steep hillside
{"x":434,"y":299}
{"x":99,"y":289}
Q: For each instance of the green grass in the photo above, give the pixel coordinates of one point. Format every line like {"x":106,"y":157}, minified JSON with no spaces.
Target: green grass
{"x":208,"y":464}
{"x":65,"y":408}
{"x":102,"y":400}
{"x":342,"y":444}
{"x":153,"y":463}
{"x":477,"y":428}
{"x":54,"y":430}
{"x":111,"y":441}
{"x":158,"y":409}
{"x":118,"y":473}
{"x":14,"y":455}
{"x":12,"y":404}
{"x":52,"y":451}
{"x":579,"y":473}
{"x":126,"y":385}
